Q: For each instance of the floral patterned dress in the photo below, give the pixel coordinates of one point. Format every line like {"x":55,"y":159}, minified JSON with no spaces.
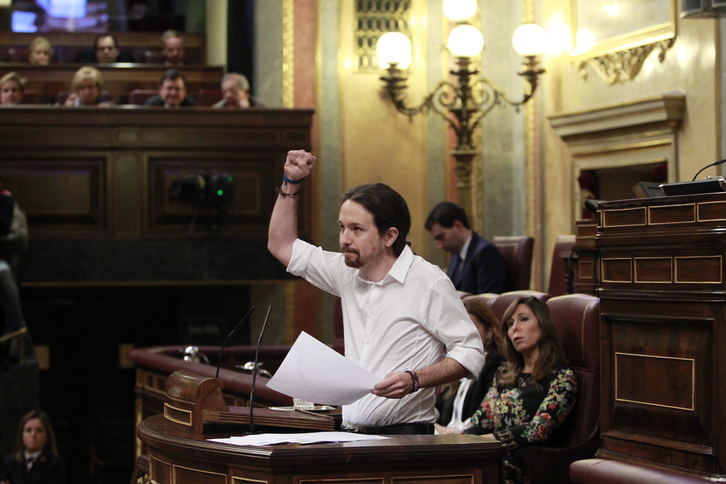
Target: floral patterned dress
{"x":523,"y":414}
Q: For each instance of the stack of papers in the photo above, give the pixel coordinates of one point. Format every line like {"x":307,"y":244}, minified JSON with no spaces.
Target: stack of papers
{"x":303,"y":438}
{"x":315,"y":372}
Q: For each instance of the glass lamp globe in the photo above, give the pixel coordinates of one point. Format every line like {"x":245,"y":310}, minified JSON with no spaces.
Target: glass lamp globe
{"x":458,"y":10}
{"x":465,"y":41}
{"x":530,"y":40}
{"x":394,"y":48}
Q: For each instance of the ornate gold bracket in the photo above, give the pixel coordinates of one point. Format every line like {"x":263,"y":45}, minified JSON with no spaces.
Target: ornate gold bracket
{"x":623,"y":65}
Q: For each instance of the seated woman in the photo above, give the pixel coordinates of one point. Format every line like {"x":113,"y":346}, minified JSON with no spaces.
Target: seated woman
{"x":11,"y":88}
{"x":86,"y":89}
{"x":40,"y":52}
{"x":458,"y":401}
{"x":37,"y":460}
{"x":533,"y":391}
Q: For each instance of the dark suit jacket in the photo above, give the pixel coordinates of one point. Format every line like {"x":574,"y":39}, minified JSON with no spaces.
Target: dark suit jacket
{"x":157,"y":101}
{"x":48,"y":469}
{"x":484,"y":269}
{"x":475,"y":394}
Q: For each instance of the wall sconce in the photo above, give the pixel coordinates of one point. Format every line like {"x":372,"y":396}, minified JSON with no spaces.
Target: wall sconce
{"x":466,"y":101}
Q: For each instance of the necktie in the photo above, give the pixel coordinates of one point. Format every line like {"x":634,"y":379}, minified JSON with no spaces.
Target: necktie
{"x":456,"y":272}
{"x":29,"y":465}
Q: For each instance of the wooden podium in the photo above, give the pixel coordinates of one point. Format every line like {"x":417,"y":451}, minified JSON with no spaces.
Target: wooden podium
{"x":663,"y":302}
{"x":178,"y":453}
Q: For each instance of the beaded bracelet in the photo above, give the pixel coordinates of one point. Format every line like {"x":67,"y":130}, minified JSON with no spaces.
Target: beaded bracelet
{"x":414,"y":379}
{"x":286,"y":180}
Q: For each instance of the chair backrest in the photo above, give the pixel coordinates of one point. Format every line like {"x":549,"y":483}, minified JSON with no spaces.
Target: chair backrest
{"x":139,"y":96}
{"x":30,"y":96}
{"x":577,"y":320}
{"x":560,"y":273}
{"x":153,"y":57}
{"x":500,"y":302}
{"x":17,"y":54}
{"x":207,"y":97}
{"x":517,"y":252}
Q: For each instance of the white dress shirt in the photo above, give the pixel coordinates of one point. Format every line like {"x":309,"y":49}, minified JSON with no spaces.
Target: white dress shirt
{"x":410,"y":320}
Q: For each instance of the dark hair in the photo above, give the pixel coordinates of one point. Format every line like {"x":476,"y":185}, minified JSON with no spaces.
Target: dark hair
{"x":50,"y":445}
{"x":388,"y":208}
{"x":551,"y":356}
{"x":172,"y":75}
{"x":103,"y":36}
{"x":486,"y":316}
{"x":445,"y":213}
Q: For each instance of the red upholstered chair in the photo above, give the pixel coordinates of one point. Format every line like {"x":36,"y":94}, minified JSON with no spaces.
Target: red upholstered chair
{"x":577,"y":319}
{"x":139,"y":96}
{"x":500,"y":302}
{"x":17,"y":54}
{"x":610,"y":471}
{"x":30,"y":96}
{"x":561,"y":277}
{"x":517,"y":252}
{"x":207,"y":97}
{"x":153,"y":57}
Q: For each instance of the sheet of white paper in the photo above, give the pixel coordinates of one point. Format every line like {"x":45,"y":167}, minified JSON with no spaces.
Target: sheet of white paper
{"x":317,"y":373}
{"x":301,"y":438}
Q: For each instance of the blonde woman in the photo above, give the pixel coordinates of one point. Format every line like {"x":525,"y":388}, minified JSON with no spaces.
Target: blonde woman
{"x":11,"y":88}
{"x":40,"y":52}
{"x":86,"y":89}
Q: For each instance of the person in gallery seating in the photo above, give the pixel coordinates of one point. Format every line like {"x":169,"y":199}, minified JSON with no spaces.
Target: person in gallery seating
{"x":475,"y":266}
{"x":172,"y":92}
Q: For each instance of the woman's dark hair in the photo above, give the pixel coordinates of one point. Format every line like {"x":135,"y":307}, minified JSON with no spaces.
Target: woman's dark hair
{"x":388,"y":208}
{"x":551,"y":356}
{"x":50,"y":445}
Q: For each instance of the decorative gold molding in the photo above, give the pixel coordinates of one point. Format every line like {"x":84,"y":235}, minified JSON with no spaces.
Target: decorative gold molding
{"x":288,"y":53}
{"x":623,"y":65}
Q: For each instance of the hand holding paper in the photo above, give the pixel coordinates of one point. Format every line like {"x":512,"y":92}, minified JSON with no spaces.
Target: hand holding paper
{"x":315,"y":372}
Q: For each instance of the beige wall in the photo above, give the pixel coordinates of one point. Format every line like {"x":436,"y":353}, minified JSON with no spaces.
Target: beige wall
{"x":378,"y":143}
{"x":689,"y":67}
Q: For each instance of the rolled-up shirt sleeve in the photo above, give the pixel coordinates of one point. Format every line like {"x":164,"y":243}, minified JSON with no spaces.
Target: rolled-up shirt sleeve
{"x":450,"y":323}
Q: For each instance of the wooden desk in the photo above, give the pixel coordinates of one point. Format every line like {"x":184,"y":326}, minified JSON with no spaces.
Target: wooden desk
{"x":663,"y":302}
{"x":118,"y":79}
{"x":451,"y":459}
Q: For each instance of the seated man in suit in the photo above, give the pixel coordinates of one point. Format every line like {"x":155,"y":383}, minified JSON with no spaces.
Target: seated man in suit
{"x":172,"y":48}
{"x":236,"y":93}
{"x":476,"y":266}
{"x":105,"y":51}
{"x":172,"y":92}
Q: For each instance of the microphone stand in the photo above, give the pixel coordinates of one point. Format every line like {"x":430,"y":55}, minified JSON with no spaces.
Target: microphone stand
{"x":219,"y":360}
{"x":715,"y":163}
{"x":254,"y":371}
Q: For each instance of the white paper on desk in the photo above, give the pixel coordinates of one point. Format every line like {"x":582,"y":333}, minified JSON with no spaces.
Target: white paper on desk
{"x":300,"y":438}
{"x":317,"y":373}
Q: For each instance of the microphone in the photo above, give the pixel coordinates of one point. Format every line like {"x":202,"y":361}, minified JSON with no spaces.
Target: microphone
{"x":254,"y":371}
{"x":219,"y":360}
{"x":715,"y":163}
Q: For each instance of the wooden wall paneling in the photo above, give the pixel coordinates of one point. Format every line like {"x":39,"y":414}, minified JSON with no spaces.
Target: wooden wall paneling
{"x":128,"y":191}
{"x":60,"y":193}
{"x":108,"y":175}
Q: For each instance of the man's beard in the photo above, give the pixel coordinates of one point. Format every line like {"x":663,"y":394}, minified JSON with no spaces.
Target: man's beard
{"x":356,"y":263}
